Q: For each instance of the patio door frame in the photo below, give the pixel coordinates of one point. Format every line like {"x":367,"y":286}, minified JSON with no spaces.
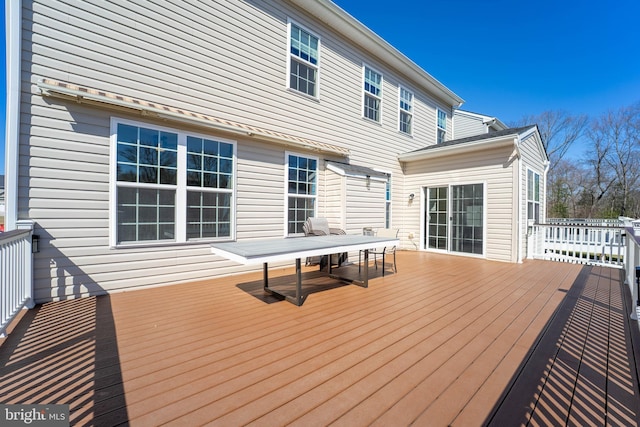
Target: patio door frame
{"x":424,"y":221}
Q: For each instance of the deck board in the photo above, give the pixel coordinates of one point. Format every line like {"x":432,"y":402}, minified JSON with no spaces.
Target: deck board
{"x":445,"y":341}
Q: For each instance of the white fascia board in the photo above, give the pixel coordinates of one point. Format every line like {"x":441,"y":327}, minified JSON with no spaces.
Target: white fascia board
{"x":353,"y":30}
{"x":470,"y":147}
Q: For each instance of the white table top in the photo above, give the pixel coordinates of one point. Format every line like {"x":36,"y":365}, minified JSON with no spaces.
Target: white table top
{"x":270,"y":250}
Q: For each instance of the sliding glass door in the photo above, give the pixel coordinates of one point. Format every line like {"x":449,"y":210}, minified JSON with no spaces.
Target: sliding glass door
{"x":455,"y":218}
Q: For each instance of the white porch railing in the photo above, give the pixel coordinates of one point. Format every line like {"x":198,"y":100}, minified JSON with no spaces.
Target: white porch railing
{"x":582,"y":244}
{"x":632,"y":266}
{"x":16,"y":266}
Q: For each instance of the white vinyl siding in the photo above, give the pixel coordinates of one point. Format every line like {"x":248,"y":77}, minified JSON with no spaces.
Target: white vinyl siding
{"x":304,"y":60}
{"x":200,"y":57}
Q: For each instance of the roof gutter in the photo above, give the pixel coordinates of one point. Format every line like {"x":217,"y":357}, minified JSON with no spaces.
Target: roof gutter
{"x":450,"y":150}
{"x":345,"y":24}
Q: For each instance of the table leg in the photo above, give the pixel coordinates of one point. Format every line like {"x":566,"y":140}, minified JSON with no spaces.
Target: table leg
{"x":298,"y":282}
{"x":265,"y":275}
{"x":366,"y":268}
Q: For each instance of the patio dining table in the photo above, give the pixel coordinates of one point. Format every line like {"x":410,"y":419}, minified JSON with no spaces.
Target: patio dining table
{"x":251,"y":252}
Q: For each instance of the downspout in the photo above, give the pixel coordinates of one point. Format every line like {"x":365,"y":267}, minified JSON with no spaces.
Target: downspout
{"x":13,"y":26}
{"x":547,"y":164}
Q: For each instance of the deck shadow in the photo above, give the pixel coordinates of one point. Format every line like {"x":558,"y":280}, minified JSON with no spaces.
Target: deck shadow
{"x":582,"y":370}
{"x":66,"y":353}
{"x":313,"y":281}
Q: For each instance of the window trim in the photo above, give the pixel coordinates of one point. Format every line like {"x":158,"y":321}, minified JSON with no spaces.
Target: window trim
{"x":402,"y":110}
{"x":181,"y":187}
{"x":365,"y":93}
{"x":290,"y":57}
{"x":439,"y":128}
{"x":286,"y":188}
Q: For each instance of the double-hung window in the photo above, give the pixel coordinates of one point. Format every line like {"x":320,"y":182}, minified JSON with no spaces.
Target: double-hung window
{"x":170,"y":186}
{"x":442,"y":126}
{"x":304,"y":60}
{"x":372,"y":93}
{"x":302,"y":176}
{"x":533,"y":196}
{"x":406,"y":111}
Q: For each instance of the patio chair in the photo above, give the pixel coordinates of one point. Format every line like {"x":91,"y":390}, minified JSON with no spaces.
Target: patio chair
{"x":320,"y":227}
{"x":387,"y":250}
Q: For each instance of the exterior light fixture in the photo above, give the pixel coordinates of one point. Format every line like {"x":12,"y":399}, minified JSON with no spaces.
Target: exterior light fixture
{"x":35,"y":243}
{"x":412,"y":196}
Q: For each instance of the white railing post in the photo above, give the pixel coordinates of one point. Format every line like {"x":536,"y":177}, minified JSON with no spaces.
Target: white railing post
{"x":27,"y":259}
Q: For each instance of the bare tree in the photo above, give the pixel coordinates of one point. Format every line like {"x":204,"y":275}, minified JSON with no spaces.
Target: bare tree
{"x":616,"y":156}
{"x":558,"y":129}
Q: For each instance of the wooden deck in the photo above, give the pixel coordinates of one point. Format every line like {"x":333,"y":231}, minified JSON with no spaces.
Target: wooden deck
{"x":446,"y":341}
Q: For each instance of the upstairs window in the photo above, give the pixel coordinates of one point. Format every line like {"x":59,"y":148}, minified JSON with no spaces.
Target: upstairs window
{"x":372,"y":94}
{"x":406,"y":111}
{"x":304,"y":59}
{"x":442,"y":126}
{"x":302,"y":173}
{"x":533,"y":196}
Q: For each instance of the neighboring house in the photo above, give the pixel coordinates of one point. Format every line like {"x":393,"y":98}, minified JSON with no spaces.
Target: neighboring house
{"x":146,"y":132}
{"x":466,"y":123}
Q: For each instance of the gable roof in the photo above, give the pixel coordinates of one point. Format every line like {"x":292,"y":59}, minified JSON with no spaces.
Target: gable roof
{"x":87,"y":95}
{"x":505,"y":137}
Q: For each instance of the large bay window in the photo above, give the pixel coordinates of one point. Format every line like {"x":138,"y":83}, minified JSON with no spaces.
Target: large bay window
{"x":170,"y":186}
{"x":302,"y":173}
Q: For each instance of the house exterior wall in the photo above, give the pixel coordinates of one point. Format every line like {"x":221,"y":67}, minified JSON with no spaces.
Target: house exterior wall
{"x":225,"y":58}
{"x":465,"y":125}
{"x":365,"y":204}
{"x":496,"y":169}
{"x":533,"y":158}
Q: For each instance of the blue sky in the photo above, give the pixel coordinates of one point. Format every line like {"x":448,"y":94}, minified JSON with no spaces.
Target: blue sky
{"x":514,"y":58}
{"x":508,"y":58}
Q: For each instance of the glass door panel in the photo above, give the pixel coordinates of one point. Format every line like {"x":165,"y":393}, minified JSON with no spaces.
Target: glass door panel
{"x":467,"y":211}
{"x":437,"y":218}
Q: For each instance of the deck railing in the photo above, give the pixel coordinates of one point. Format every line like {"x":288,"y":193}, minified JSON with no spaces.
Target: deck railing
{"x":631,"y":263}
{"x":578,"y":243}
{"x":16,"y":266}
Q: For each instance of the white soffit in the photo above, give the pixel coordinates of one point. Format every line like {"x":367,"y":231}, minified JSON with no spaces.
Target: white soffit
{"x":81,"y":94}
